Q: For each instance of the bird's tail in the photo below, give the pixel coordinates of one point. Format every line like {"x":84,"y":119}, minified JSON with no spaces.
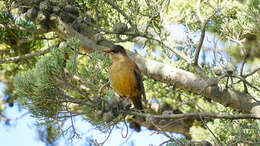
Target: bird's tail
{"x":137,"y":101}
{"x":135,"y":126}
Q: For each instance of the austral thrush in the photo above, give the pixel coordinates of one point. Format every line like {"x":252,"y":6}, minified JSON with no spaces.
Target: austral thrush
{"x":125,"y":77}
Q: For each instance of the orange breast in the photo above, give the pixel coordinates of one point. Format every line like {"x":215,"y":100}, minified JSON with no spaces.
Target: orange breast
{"x":122,"y":78}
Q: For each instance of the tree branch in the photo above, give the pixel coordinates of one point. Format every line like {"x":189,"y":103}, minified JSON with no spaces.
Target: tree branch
{"x":198,"y":12}
{"x":202,"y":36}
{"x":246,"y":82}
{"x":173,"y":139}
{"x":197,"y":115}
{"x":26,"y":56}
{"x":253,"y":72}
{"x":30,"y":30}
{"x":191,"y":82}
{"x":175,"y":51}
{"x":66,"y":31}
{"x":241,"y":74}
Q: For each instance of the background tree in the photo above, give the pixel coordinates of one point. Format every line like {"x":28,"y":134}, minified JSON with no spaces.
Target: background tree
{"x":53,"y":65}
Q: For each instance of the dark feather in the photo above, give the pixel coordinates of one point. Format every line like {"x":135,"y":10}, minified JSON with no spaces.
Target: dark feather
{"x":140,"y":84}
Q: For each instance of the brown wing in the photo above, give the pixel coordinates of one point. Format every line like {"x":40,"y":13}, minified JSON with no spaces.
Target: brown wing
{"x":139,"y":80}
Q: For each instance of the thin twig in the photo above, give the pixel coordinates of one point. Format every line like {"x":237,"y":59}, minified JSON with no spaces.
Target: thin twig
{"x":253,"y":72}
{"x":175,"y":51}
{"x":203,"y":31}
{"x":150,"y":21}
{"x":126,"y":130}
{"x":198,"y":11}
{"x":242,"y":67}
{"x":102,"y":143}
{"x":103,"y":86}
{"x":167,"y":141}
{"x":241,"y":74}
{"x":6,"y":120}
{"x":75,"y":134}
{"x":210,"y":130}
{"x":202,"y":36}
{"x":246,"y":82}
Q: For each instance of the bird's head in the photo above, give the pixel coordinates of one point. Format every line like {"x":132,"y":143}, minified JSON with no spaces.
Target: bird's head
{"x":117,"y":52}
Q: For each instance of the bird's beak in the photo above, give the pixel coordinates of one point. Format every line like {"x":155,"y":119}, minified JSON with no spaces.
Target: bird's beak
{"x":108,"y":50}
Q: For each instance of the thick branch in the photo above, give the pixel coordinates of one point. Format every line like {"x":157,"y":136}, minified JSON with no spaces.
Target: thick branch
{"x":198,"y":115}
{"x":181,"y":126}
{"x":181,"y":123}
{"x":191,"y":82}
{"x":66,"y":31}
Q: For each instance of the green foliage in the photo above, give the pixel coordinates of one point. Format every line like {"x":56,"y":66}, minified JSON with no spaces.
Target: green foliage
{"x":38,"y":85}
{"x":47,"y":89}
{"x":53,"y":88}
{"x":184,"y":12}
{"x":9,"y":46}
{"x":245,"y":130}
{"x":227,"y":131}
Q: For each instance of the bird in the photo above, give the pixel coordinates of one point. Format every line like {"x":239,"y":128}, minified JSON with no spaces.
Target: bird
{"x":125,"y":78}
